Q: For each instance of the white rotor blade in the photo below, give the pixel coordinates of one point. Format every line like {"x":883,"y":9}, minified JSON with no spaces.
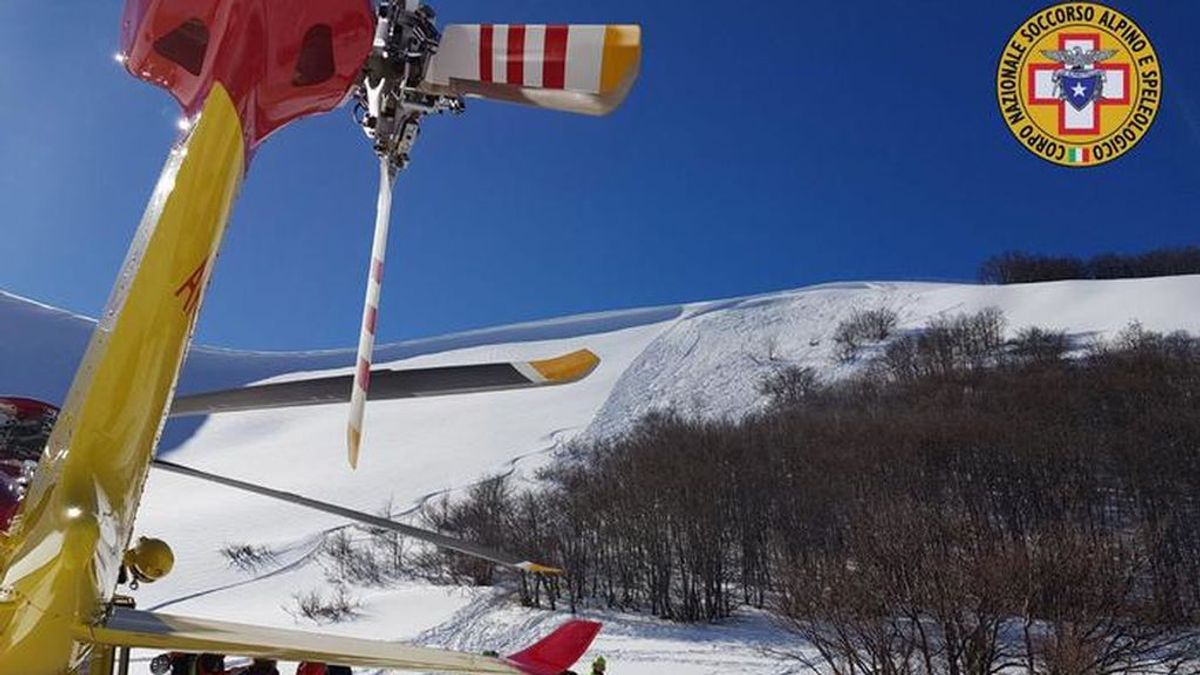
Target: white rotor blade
{"x":366,"y":339}
{"x":436,"y":538}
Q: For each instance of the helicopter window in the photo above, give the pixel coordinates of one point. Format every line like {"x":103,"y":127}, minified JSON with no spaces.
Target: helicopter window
{"x":315,"y":64}
{"x":186,"y":45}
{"x":25,"y":427}
{"x":22,"y":438}
{"x":11,"y":495}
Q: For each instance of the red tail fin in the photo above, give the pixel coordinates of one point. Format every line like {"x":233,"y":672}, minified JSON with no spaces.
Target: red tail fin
{"x":557,"y":651}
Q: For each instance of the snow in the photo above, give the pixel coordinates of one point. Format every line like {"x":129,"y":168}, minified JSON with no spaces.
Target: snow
{"x":710,"y":362}
{"x":703,"y":359}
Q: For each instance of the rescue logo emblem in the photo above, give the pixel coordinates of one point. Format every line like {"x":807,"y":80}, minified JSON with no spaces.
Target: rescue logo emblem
{"x":1079,"y":84}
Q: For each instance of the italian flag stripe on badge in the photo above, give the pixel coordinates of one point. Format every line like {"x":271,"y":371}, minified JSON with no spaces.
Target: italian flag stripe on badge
{"x":1078,"y":155}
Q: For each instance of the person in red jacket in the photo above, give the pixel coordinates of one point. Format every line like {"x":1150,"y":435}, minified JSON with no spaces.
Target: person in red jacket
{"x":321,"y":669}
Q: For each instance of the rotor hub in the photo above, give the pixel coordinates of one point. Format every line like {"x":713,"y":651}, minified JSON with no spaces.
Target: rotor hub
{"x":389,"y":104}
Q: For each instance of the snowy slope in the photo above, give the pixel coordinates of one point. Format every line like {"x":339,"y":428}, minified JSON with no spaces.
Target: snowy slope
{"x":702,"y":358}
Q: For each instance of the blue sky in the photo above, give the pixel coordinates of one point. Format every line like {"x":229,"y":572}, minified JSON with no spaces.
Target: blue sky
{"x":767,"y":145}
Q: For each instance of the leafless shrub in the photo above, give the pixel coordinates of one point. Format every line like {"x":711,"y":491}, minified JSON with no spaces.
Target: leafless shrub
{"x":387,"y":546}
{"x":485,"y":517}
{"x":909,"y":590}
{"x":248,"y":557}
{"x":1039,"y":345}
{"x":948,"y":346}
{"x":790,"y":385}
{"x":863,"y":327}
{"x":1089,"y":612}
{"x":352,"y":562}
{"x":337,"y":607}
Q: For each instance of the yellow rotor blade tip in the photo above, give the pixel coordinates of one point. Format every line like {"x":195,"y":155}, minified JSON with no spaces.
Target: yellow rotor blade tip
{"x":569,"y":367}
{"x":538,"y":568}
{"x":353,"y":439}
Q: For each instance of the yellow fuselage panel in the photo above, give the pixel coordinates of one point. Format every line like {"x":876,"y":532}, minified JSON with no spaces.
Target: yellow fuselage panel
{"x":60,"y":564}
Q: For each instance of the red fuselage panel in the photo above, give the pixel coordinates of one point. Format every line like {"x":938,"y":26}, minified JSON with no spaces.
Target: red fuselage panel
{"x":278,"y":59}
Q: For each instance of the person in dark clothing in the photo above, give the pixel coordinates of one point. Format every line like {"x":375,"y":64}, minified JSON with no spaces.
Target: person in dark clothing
{"x":183,"y":664}
{"x":262,"y":667}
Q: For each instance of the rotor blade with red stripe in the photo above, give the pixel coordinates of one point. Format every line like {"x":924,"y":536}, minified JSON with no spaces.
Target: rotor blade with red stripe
{"x":575,"y":68}
{"x":366,"y":338}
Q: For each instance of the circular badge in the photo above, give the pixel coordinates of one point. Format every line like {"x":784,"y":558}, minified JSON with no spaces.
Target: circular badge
{"x":1079,"y":84}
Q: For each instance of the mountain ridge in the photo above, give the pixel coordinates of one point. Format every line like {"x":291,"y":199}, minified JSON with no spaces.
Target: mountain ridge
{"x":704,"y":359}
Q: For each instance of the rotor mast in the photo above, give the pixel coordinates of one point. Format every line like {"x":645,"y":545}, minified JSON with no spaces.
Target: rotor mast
{"x":390,"y":111}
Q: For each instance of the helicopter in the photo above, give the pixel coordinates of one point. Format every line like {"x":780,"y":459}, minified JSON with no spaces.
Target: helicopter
{"x":242,"y":70}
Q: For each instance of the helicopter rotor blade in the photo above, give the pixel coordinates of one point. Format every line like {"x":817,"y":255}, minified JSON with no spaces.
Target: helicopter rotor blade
{"x":440,"y":540}
{"x":366,"y":338}
{"x":393,"y":383}
{"x":587,"y":69}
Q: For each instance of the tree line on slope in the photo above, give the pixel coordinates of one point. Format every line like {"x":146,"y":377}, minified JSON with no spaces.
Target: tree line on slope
{"x":968,"y":504}
{"x":1017,"y":267}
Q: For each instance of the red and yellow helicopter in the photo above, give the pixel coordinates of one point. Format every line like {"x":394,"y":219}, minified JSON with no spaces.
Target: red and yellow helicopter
{"x":241,"y":70}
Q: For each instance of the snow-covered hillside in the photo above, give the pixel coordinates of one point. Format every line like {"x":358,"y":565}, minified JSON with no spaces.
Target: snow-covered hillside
{"x":700,"y":359}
